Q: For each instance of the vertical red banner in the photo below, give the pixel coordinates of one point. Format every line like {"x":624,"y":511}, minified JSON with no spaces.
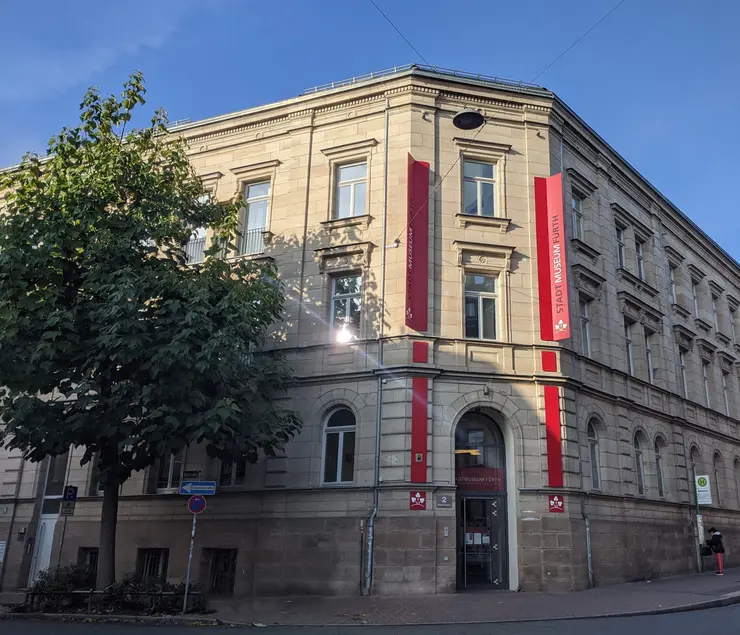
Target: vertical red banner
{"x":552,"y":272}
{"x":419,"y":427}
{"x":417,"y":245}
{"x":554,"y":446}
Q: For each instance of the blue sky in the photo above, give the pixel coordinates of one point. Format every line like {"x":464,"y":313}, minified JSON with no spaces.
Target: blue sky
{"x":658,"y":80}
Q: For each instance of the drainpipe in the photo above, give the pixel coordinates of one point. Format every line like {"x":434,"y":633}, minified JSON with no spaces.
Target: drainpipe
{"x":589,"y":552}
{"x":379,"y":409}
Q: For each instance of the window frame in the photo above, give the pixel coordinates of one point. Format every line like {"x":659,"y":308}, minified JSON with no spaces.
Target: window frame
{"x":640,"y":257}
{"x":233,"y":476}
{"x":352,"y":185}
{"x":243,"y":239}
{"x":576,"y":211}
{"x":716,"y":470}
{"x":659,"y":445}
{"x":725,"y":393}
{"x":639,"y":465}
{"x":479,"y":180}
{"x":495,"y":296}
{"x":705,"y":382}
{"x":715,"y":314}
{"x":172,"y":460}
{"x":342,"y":431}
{"x":628,"y":347}
{"x":346,"y":297}
{"x":695,"y":293}
{"x":672,"y":285}
{"x":682,"y":372}
{"x":594,"y":455}
{"x":647,"y":334}
{"x":163,"y":566}
{"x":584,"y":321}
{"x":621,"y":246}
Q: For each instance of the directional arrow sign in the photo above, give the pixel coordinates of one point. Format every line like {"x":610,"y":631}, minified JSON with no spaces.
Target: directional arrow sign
{"x":203,"y":488}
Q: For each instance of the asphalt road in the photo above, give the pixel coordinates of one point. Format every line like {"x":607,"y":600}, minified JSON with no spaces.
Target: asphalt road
{"x":714,"y":622}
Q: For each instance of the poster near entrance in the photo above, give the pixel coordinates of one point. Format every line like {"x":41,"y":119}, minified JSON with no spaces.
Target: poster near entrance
{"x":481,"y":554}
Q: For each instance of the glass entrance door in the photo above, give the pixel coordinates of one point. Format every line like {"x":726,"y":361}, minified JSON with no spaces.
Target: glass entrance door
{"x":482,"y":548}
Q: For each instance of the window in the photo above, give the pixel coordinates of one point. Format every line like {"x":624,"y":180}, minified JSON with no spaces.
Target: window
{"x":640,"y":256}
{"x":478,"y":189}
{"x":87,"y":558}
{"x":715,"y":316}
{"x":576,"y":209}
{"x":339,"y":447}
{"x":695,"y":294}
{"x":620,"y":246}
{"x":726,"y":393}
{"x":221,"y":568}
{"x":649,"y":355}
{"x":195,"y":248}
{"x":639,"y":466}
{"x":682,"y":369}
{"x":705,"y":381}
{"x":346,"y":304}
{"x":593,"y":452}
{"x":233,"y":473}
{"x":351,"y":190}
{"x":254,"y":219}
{"x":585,"y":322}
{"x":56,"y":474}
{"x":733,"y":322}
{"x":659,"y":447}
{"x":169,"y":471}
{"x":717,"y":476}
{"x":151,"y":564}
{"x":737,"y":479}
{"x":481,"y":297}
{"x":672,"y":284}
{"x":628,"y":347}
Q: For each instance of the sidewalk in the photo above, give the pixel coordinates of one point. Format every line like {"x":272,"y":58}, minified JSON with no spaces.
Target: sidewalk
{"x":665,"y":595}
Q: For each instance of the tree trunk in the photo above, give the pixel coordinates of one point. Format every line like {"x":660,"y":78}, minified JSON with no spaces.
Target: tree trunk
{"x":107,"y":545}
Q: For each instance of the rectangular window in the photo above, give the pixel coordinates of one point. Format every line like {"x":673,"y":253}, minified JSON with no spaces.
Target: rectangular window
{"x":254,"y":218}
{"x":733,"y":324}
{"x":705,"y":380}
{"x":87,"y":558}
{"x":672,"y":284}
{"x":481,"y":298}
{"x":640,"y":256}
{"x":715,"y":316}
{"x":576,"y":209}
{"x":585,"y":322}
{"x":479,"y":186}
{"x":346,"y":304}
{"x":649,"y":355}
{"x":233,"y":473}
{"x":726,"y":393}
{"x":682,"y":370}
{"x":628,"y":347}
{"x":695,"y":294}
{"x":221,"y":568}
{"x":151,"y":564}
{"x":620,"y":246}
{"x":351,"y":190}
{"x":169,"y":472}
{"x":195,"y":248}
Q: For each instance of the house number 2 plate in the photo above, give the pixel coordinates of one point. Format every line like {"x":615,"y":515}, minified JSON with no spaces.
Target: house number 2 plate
{"x":444,"y":500}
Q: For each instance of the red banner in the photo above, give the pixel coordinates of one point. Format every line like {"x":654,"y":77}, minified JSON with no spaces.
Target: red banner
{"x":419,"y":427}
{"x":417,"y":245}
{"x":554,"y":437}
{"x":551,"y":265}
{"x":492,"y":479}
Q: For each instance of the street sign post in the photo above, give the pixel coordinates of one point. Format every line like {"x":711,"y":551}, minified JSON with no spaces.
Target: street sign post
{"x":70,"y":493}
{"x":196,"y":505}
{"x":204,"y":488}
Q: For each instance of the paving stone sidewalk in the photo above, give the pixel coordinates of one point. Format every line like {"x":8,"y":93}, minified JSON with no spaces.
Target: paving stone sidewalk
{"x":664,"y":595}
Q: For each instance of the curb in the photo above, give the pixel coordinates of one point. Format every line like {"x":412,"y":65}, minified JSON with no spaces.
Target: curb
{"x":729,"y":599}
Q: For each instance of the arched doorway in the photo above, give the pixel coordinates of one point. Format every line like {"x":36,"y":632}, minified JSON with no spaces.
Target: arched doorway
{"x":480,"y":477}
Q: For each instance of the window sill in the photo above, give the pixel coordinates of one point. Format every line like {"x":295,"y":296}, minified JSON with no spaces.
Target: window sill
{"x":167,"y":490}
{"x":337,"y":485}
{"x":465,"y":220}
{"x":334,"y":224}
{"x":582,"y":247}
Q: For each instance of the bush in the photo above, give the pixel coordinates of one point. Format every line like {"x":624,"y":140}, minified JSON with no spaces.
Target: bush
{"x":129,"y":595}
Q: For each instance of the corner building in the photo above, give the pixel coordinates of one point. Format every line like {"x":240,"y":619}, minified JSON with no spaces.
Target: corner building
{"x":416,"y":264}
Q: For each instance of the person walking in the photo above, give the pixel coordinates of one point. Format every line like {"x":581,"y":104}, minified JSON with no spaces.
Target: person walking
{"x":714,"y":542}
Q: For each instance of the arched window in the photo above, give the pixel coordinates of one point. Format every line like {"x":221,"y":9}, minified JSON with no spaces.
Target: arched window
{"x":660,"y":446}
{"x":639,"y":463}
{"x":717,"y":461}
{"x":593,"y":453}
{"x":737,"y":479}
{"x":339,"y":447}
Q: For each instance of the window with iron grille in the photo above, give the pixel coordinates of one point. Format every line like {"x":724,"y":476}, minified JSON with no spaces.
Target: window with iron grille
{"x":151,"y":564}
{"x":87,"y":558}
{"x":220,"y":565}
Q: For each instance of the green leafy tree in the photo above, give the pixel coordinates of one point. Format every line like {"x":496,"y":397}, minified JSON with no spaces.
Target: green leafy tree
{"x":109,"y":340}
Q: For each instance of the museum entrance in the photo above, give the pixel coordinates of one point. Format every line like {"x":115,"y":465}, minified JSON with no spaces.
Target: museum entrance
{"x":480,"y":476}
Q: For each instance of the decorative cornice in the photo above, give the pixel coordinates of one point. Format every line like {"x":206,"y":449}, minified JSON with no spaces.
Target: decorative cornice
{"x":674,"y":256}
{"x":628,"y":219}
{"x":355,"y":147}
{"x":733,"y":302}
{"x":245,"y":170}
{"x":580,"y":246}
{"x":696,"y":273}
{"x":726,"y":361}
{"x":706,"y":349}
{"x":639,"y":284}
{"x":466,"y":220}
{"x":684,"y":337}
{"x":587,"y":282}
{"x":344,"y":256}
{"x":490,"y":148}
{"x":210,"y":179}
{"x":479,"y":253}
{"x":714,"y":286}
{"x":581,"y":182}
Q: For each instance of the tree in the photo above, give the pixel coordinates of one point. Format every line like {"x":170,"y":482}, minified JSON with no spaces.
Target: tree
{"x":109,"y":339}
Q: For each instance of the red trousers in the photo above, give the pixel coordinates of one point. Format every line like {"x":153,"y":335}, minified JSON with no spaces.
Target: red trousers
{"x":720,"y":562}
